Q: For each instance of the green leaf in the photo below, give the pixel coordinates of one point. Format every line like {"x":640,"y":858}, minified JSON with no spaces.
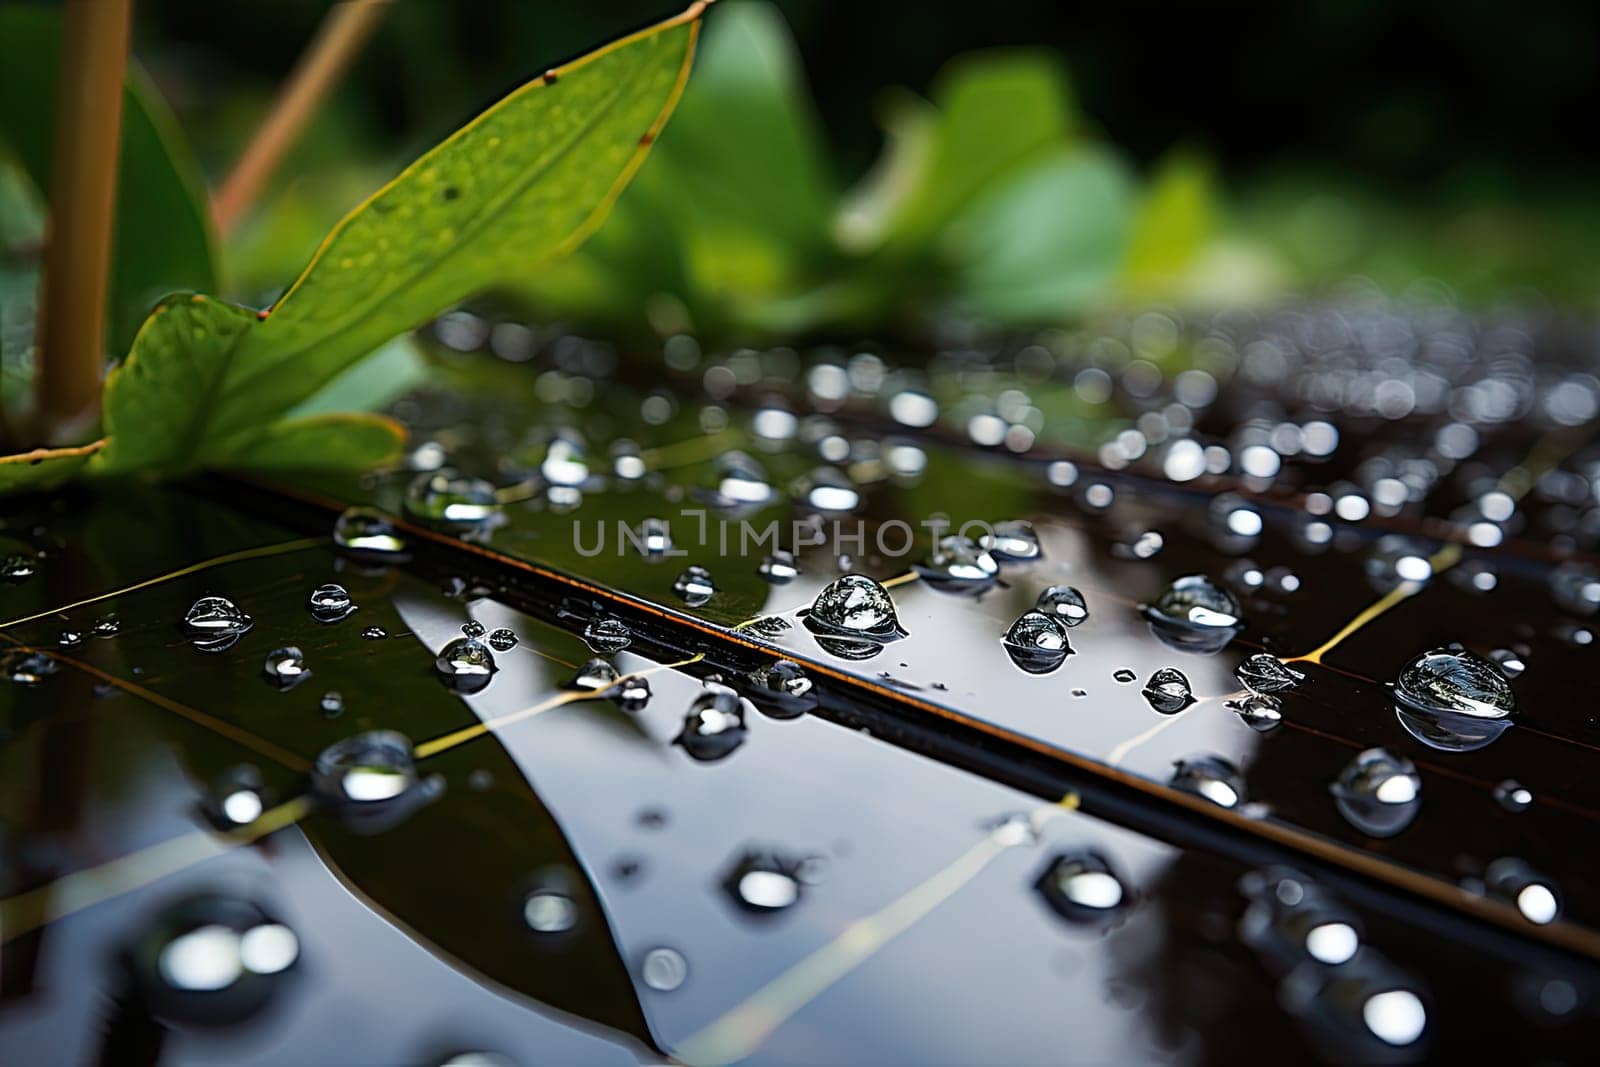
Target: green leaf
{"x":1178,"y":215}
{"x":163,"y":239}
{"x":522,"y":184}
{"x":43,"y":467}
{"x":336,"y":441}
{"x":1046,"y":244}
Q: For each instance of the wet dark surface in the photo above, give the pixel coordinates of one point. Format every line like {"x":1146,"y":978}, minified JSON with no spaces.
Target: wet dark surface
{"x":575,"y":891}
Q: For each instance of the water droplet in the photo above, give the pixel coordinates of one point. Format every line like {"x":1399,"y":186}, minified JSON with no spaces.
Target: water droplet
{"x":1378,"y":793}
{"x":69,"y":638}
{"x":829,"y":490}
{"x":958,"y":565}
{"x":769,"y":626}
{"x":285,"y":667}
{"x":465,"y":665}
{"x":1014,"y":539}
{"x":1454,"y":700}
{"x":1260,"y":712}
{"x":547,"y":911}
{"x":371,"y":781}
{"x":565,"y":462}
{"x":738,"y":483}
{"x":764,"y":883}
{"x":1168,"y":691}
{"x":694,"y":586}
{"x":236,"y":798}
{"x":374,"y":633}
{"x":1146,"y":544}
{"x":715,"y":724}
{"x":330,"y":603}
{"x":1519,"y":885}
{"x":1266,"y":673}
{"x":1082,"y":886}
{"x":632,"y":693}
{"x":1065,"y":603}
{"x":1576,"y":588}
{"x":664,"y":969}
{"x":1292,"y":920}
{"x":370,"y":533}
{"x":1513,"y":795}
{"x":17,"y":569}
{"x":1510,"y":663}
{"x":215,"y":624}
{"x":1396,"y":559}
{"x":1037,"y":642}
{"x":107,"y":626}
{"x":653,"y":538}
{"x":211,"y":960}
{"x":502,"y":639}
{"x":1194,"y":614}
{"x":1211,"y":777}
{"x":783,"y":690}
{"x":332,"y":704}
{"x":452,"y":499}
{"x":595,"y":675}
{"x":1124,"y":675}
{"x":852,"y":617}
{"x":779,"y":568}
{"x":472,"y":628}
{"x":607,"y":634}
{"x":1362,"y":1009}
{"x":23,"y":667}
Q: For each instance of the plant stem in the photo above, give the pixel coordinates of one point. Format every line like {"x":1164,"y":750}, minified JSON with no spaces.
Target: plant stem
{"x":83,"y":193}
{"x":339,"y":39}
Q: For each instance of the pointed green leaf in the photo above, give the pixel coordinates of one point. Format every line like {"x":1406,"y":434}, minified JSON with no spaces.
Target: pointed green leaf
{"x":1176,"y":218}
{"x":337,"y":441}
{"x":163,"y":236}
{"x":43,"y":467}
{"x":522,"y":184}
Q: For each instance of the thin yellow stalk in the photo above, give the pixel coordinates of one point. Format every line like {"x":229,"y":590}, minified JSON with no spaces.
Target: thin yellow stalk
{"x":83,"y":193}
{"x":339,"y":40}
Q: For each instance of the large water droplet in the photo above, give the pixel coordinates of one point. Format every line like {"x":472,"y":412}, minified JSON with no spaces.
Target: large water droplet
{"x":1266,"y":673}
{"x":1037,"y":642}
{"x":549,"y":912}
{"x":595,"y":675}
{"x":449,"y":498}
{"x":236,"y":798}
{"x":1378,"y":793}
{"x":502,"y":639}
{"x":694,"y":586}
{"x":370,"y":780}
{"x":285,"y":667}
{"x":211,"y":960}
{"x":607,"y":634}
{"x":1014,"y":540}
{"x":1519,"y":885}
{"x":1362,"y":1010}
{"x":1194,"y":614}
{"x":852,"y":617}
{"x":370,"y":533}
{"x":1065,"y":603}
{"x":664,"y":969}
{"x":1453,"y":699}
{"x":330,"y":603}
{"x":215,"y":624}
{"x":958,"y":565}
{"x":764,"y":883}
{"x":1260,"y":712}
{"x":465,"y":665}
{"x":23,"y":667}
{"x":1083,"y":887}
{"x":1211,"y":777}
{"x":1168,"y":691}
{"x":714,"y":725}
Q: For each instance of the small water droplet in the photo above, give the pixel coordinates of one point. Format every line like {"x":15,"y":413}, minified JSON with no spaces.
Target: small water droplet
{"x":285,"y":667}
{"x":763,"y":882}
{"x":783,"y":690}
{"x":106,"y":627}
{"x":1519,"y":885}
{"x":653,"y":539}
{"x":1454,"y":700}
{"x":694,"y":586}
{"x":1146,"y":544}
{"x":769,"y":626}
{"x":547,"y":911}
{"x":565,"y":461}
{"x":1037,"y":642}
{"x":607,"y":634}
{"x":1396,"y":559}
{"x":632,"y":693}
{"x":17,"y":569}
{"x":664,"y":969}
{"x":215,"y":624}
{"x":1013,"y":540}
{"x":1292,"y":920}
{"x":370,"y":533}
{"x":1194,"y":614}
{"x":1168,"y":691}
{"x":449,"y":498}
{"x":69,"y":638}
{"x":236,"y":798}
{"x":374,"y":633}
{"x":779,"y":567}
{"x":465,"y":665}
{"x":23,"y":667}
{"x":1124,"y":675}
{"x":738,"y":483}
{"x":332,"y":704}
{"x":1065,"y":603}
{"x":502,"y":639}
{"x":595,"y":675}
{"x":1260,"y":712}
{"x":1211,"y":777}
{"x":1082,"y":887}
{"x":472,"y":628}
{"x":370,"y":780}
{"x":1378,"y":793}
{"x":714,"y":725}
{"x":958,"y":565}
{"x":828,"y":490}
{"x":1513,"y":795}
{"x":1266,"y":673}
{"x":330,"y":603}
{"x":1510,"y":663}
{"x":1576,"y":588}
